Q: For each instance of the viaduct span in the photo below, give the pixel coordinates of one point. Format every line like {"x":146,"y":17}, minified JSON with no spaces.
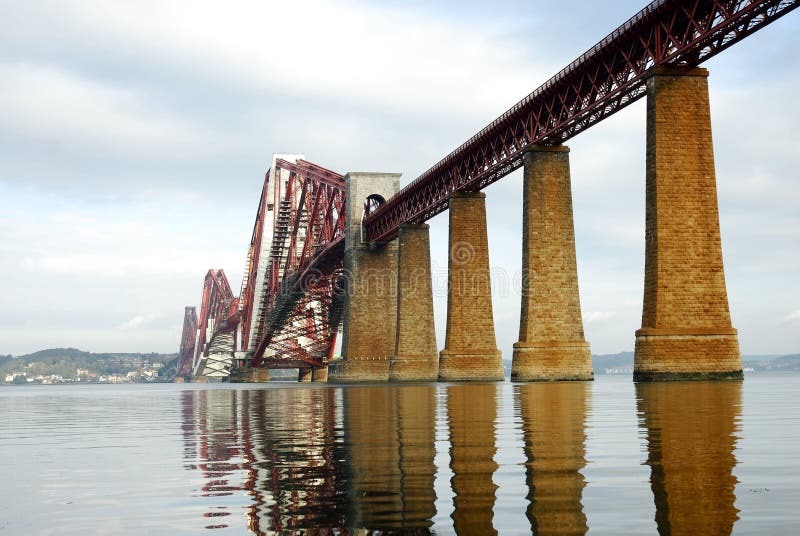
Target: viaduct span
{"x":330,"y":250}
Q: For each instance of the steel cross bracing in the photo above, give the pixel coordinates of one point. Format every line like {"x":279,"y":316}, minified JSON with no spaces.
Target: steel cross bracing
{"x":602,"y":81}
{"x":298,"y":304}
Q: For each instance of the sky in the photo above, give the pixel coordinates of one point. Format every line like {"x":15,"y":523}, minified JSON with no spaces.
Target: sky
{"x":134,"y":138}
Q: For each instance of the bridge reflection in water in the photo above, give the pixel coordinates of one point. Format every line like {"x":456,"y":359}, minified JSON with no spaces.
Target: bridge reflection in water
{"x":691,"y":431}
{"x":327,"y":460}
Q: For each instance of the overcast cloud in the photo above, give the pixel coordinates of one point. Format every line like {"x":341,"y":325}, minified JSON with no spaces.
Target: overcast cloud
{"x":134,"y":137}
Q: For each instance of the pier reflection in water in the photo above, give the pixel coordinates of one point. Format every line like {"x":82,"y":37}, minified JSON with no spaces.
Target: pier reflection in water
{"x":389,"y":449}
{"x":330,"y":459}
{"x":692,"y":429}
{"x":553,"y":419}
{"x":471,"y":414}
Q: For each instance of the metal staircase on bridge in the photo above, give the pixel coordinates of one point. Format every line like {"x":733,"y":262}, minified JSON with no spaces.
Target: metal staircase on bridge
{"x":277,"y":256}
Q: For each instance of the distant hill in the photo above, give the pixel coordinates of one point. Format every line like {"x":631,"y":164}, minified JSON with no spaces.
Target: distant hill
{"x":622,"y":363}
{"x":66,"y":362}
{"x":785,"y":363}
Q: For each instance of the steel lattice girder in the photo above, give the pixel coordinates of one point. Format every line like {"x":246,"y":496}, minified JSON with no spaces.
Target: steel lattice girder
{"x":219,"y":306}
{"x":188,"y":342}
{"x":305,"y":255}
{"x":247,"y":292}
{"x":603,"y":80}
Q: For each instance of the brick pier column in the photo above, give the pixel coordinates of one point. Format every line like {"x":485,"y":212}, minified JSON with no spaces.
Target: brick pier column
{"x":319,"y":375}
{"x":416,"y":357}
{"x":551,"y":342}
{"x":304,"y":374}
{"x":249,"y":375}
{"x":370,"y":308}
{"x":686,"y":325}
{"x":470,"y":349}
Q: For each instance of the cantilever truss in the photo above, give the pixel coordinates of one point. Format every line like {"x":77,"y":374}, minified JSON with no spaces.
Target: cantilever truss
{"x":296,"y":320}
{"x":188,"y":341}
{"x":219,"y":316}
{"x":603,"y":80}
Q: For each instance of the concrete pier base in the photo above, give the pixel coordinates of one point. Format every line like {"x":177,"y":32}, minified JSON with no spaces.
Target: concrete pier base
{"x":551,"y":342}
{"x":249,"y":375}
{"x":686,"y":326}
{"x":319,"y":375}
{"x":370,"y":309}
{"x":551,"y":361}
{"x":416,"y":357}
{"x":304,"y":374}
{"x":470,"y":352}
{"x":695,"y":354}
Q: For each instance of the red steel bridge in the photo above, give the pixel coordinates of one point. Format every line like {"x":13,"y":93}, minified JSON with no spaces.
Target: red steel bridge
{"x":289,"y":309}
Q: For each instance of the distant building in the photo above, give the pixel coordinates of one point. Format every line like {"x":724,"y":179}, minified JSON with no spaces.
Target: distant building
{"x":10,"y":377}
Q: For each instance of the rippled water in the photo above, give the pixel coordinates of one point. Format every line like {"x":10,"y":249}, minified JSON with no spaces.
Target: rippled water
{"x":607,"y":457}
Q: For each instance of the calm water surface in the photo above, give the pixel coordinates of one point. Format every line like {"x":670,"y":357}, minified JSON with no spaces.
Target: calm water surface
{"x":607,"y":457}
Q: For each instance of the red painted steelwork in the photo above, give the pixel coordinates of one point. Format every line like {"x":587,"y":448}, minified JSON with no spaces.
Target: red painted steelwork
{"x":247,"y":293}
{"x":602,"y":81}
{"x":303,"y":267}
{"x":188,"y":341}
{"x":219,"y":310}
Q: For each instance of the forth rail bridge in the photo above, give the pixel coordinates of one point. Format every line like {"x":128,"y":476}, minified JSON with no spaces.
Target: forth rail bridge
{"x":352,"y":252}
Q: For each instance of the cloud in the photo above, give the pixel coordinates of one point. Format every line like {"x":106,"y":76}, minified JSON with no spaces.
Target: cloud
{"x":138,"y":321}
{"x":151,"y":239}
{"x":332,"y":51}
{"x":52,"y":104}
{"x":598,"y":316}
{"x":794,"y":315}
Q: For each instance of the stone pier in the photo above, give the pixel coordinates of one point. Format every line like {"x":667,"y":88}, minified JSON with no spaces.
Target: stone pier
{"x":319,"y":375}
{"x":370,"y":309}
{"x":304,"y":374}
{"x":686,"y":328}
{"x":416,"y":355}
{"x":249,"y":375}
{"x":551,"y":341}
{"x":470,"y":351}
